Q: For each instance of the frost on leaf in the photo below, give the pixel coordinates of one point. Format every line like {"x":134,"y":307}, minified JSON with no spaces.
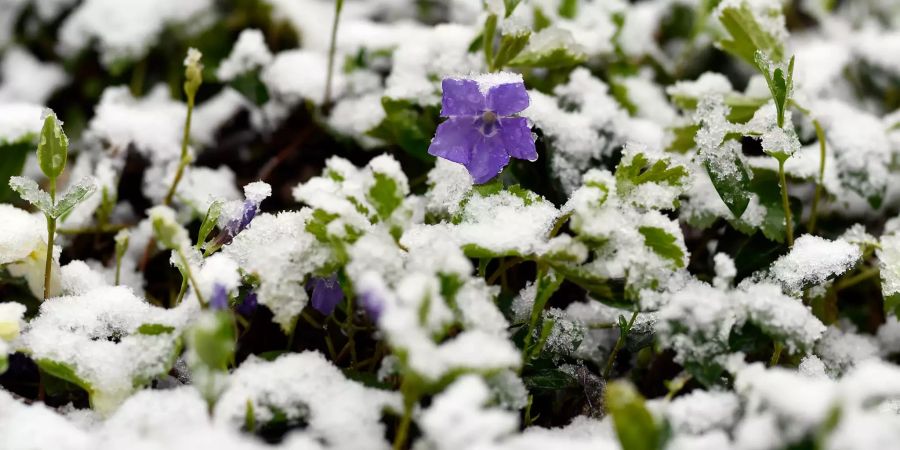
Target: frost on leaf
{"x":307,"y":388}
{"x":889,"y":264}
{"x":95,"y":340}
{"x":813,"y":260}
{"x":508,"y":222}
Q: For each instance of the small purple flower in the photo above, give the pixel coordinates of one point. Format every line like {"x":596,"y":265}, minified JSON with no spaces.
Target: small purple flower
{"x":248,"y":306}
{"x":326,"y":294}
{"x":481,"y":131}
{"x":219,"y":299}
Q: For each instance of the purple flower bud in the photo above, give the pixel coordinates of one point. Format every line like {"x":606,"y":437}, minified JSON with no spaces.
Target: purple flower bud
{"x":326,"y":293}
{"x":238,"y":224}
{"x":372,"y":304}
{"x":219,"y":299}
{"x":248,"y":306}
{"x":481,"y":132}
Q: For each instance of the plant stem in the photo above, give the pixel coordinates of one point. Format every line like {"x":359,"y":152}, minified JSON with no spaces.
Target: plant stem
{"x":820,"y":134}
{"x":507,"y":263}
{"x":181,"y":291}
{"x":332,"y":47}
{"x":184,"y":152}
{"x":190,"y":274}
{"x":409,"y":402}
{"x":619,"y":343}
{"x":118,"y":269}
{"x":776,"y":354}
{"x":48,"y":266}
{"x":785,"y":203}
{"x":51,"y":233}
{"x":856,"y":279}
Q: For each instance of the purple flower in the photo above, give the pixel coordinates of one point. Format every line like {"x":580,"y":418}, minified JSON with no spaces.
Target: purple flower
{"x":248,"y":306}
{"x":326,"y":294}
{"x":219,"y":299}
{"x":481,"y":131}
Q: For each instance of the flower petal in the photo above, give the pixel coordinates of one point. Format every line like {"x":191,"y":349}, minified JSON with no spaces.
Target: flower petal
{"x":461,"y":98}
{"x":488,"y":159}
{"x":455,"y":139}
{"x":507,"y":99}
{"x":326,"y":294}
{"x":517,"y":138}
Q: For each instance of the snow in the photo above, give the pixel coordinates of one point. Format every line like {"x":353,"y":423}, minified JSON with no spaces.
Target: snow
{"x":458,"y":417}
{"x":21,"y":233}
{"x":841,"y":350}
{"x":280,"y":77}
{"x":435,"y":323}
{"x":127,"y":33}
{"x":28,"y":80}
{"x":212,"y":114}
{"x":889,"y":264}
{"x":153,"y":125}
{"x":20,"y":122}
{"x":488,"y":81}
{"x":339,"y":412}
{"x":812,"y":260}
{"x":96,"y":334}
{"x":503,"y":224}
{"x":449,"y":184}
{"x":249,"y":53}
{"x":276,"y":249}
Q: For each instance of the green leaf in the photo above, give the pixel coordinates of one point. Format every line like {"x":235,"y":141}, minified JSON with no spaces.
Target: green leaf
{"x":766,"y":186}
{"x":684,"y":138}
{"x":510,"y":6}
{"x":251,"y":87}
{"x":212,"y":340}
{"x":65,"y":372}
{"x":551,"y":48}
{"x":11,"y":163}
{"x":153,"y":329}
{"x":747,"y":35}
{"x":634,"y":425}
{"x":209,"y":222}
{"x":731,"y":178}
{"x":568,"y":9}
{"x":29,"y":190}
{"x":510,"y":47}
{"x":490,"y":29}
{"x":407,"y":125}
{"x":663,"y":244}
{"x":892,"y":304}
{"x":53,"y":147}
{"x":73,"y":196}
{"x":742,"y":107}
{"x":318,"y":224}
{"x":779,"y":94}
{"x":549,"y":379}
{"x":541,"y":21}
{"x":385,"y":195}
{"x":638,"y":170}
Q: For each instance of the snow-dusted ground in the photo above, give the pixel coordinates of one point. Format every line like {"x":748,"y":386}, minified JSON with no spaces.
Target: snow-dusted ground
{"x":296,"y":270}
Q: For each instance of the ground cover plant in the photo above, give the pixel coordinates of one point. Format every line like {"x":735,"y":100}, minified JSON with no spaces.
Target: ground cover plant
{"x":460,"y":224}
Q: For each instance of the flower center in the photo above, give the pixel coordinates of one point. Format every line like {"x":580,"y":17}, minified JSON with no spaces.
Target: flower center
{"x":488,"y":123}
